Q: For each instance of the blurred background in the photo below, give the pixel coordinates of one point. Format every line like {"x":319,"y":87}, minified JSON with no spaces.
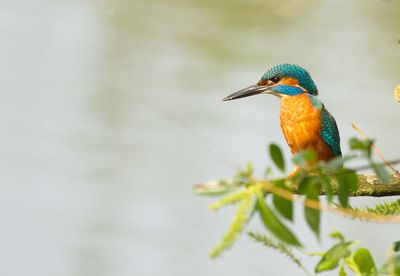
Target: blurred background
{"x":110,"y":111}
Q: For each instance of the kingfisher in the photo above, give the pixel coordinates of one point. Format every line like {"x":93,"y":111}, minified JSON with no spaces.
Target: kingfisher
{"x":305,"y":122}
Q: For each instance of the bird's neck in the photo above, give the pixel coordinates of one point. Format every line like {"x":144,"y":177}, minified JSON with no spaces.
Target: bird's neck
{"x":300,"y":122}
{"x":295,"y":105}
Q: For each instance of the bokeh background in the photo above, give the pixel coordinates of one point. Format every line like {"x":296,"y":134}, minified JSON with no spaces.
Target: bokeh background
{"x":110,"y":111}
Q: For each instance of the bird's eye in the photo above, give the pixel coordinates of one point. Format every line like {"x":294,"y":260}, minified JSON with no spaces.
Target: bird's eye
{"x":275,"y":79}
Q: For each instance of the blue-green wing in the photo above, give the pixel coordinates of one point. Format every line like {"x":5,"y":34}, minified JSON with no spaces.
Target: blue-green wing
{"x":330,"y":132}
{"x":329,"y":129}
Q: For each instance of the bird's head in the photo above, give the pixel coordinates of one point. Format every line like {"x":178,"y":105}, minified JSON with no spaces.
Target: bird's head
{"x":280,"y":80}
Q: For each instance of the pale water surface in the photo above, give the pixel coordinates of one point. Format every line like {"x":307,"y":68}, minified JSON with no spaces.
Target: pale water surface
{"x":110,"y":111}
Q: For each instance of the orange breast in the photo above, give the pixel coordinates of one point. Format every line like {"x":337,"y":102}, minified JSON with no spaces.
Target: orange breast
{"x":301,"y":126}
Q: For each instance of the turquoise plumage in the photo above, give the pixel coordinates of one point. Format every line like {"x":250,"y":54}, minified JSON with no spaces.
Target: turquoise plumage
{"x":330,"y":132}
{"x":292,"y":71}
{"x":329,"y":129}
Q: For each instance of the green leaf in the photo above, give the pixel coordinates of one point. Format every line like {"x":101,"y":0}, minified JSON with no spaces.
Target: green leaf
{"x":326,"y":184}
{"x":335,"y":163}
{"x":347,"y":180}
{"x":382,"y":173}
{"x":277,"y":156}
{"x":304,"y":157}
{"x":267,"y":172}
{"x":244,"y":174}
{"x":338,"y":162}
{"x":392,"y":267}
{"x":396,"y":246}
{"x":337,"y":235}
{"x":332,"y":257}
{"x":362,"y":263}
{"x":276,"y":227}
{"x":357,"y":144}
{"x":283,"y":205}
{"x":249,"y":169}
{"x":361,"y":145}
{"x":313,"y":216}
{"x":310,"y":156}
{"x":342,"y":272}
{"x":310,"y":186}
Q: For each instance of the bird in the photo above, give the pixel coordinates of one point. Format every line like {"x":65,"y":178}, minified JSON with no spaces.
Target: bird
{"x":305,"y":122}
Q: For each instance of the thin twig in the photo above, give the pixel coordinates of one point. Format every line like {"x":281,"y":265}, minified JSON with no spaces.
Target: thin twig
{"x":377,"y":151}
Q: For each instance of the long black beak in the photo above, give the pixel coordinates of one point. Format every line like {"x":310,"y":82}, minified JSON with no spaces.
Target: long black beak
{"x":248,"y":91}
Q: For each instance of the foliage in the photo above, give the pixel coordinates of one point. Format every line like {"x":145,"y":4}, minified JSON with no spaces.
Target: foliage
{"x":245,"y":198}
{"x":384,"y":208}
{"x":273,"y":200}
{"x":279,"y":246}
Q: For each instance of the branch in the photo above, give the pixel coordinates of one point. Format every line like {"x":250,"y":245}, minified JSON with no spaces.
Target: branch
{"x":368,"y":185}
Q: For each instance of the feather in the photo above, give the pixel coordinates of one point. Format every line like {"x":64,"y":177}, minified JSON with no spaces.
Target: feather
{"x":330,"y":132}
